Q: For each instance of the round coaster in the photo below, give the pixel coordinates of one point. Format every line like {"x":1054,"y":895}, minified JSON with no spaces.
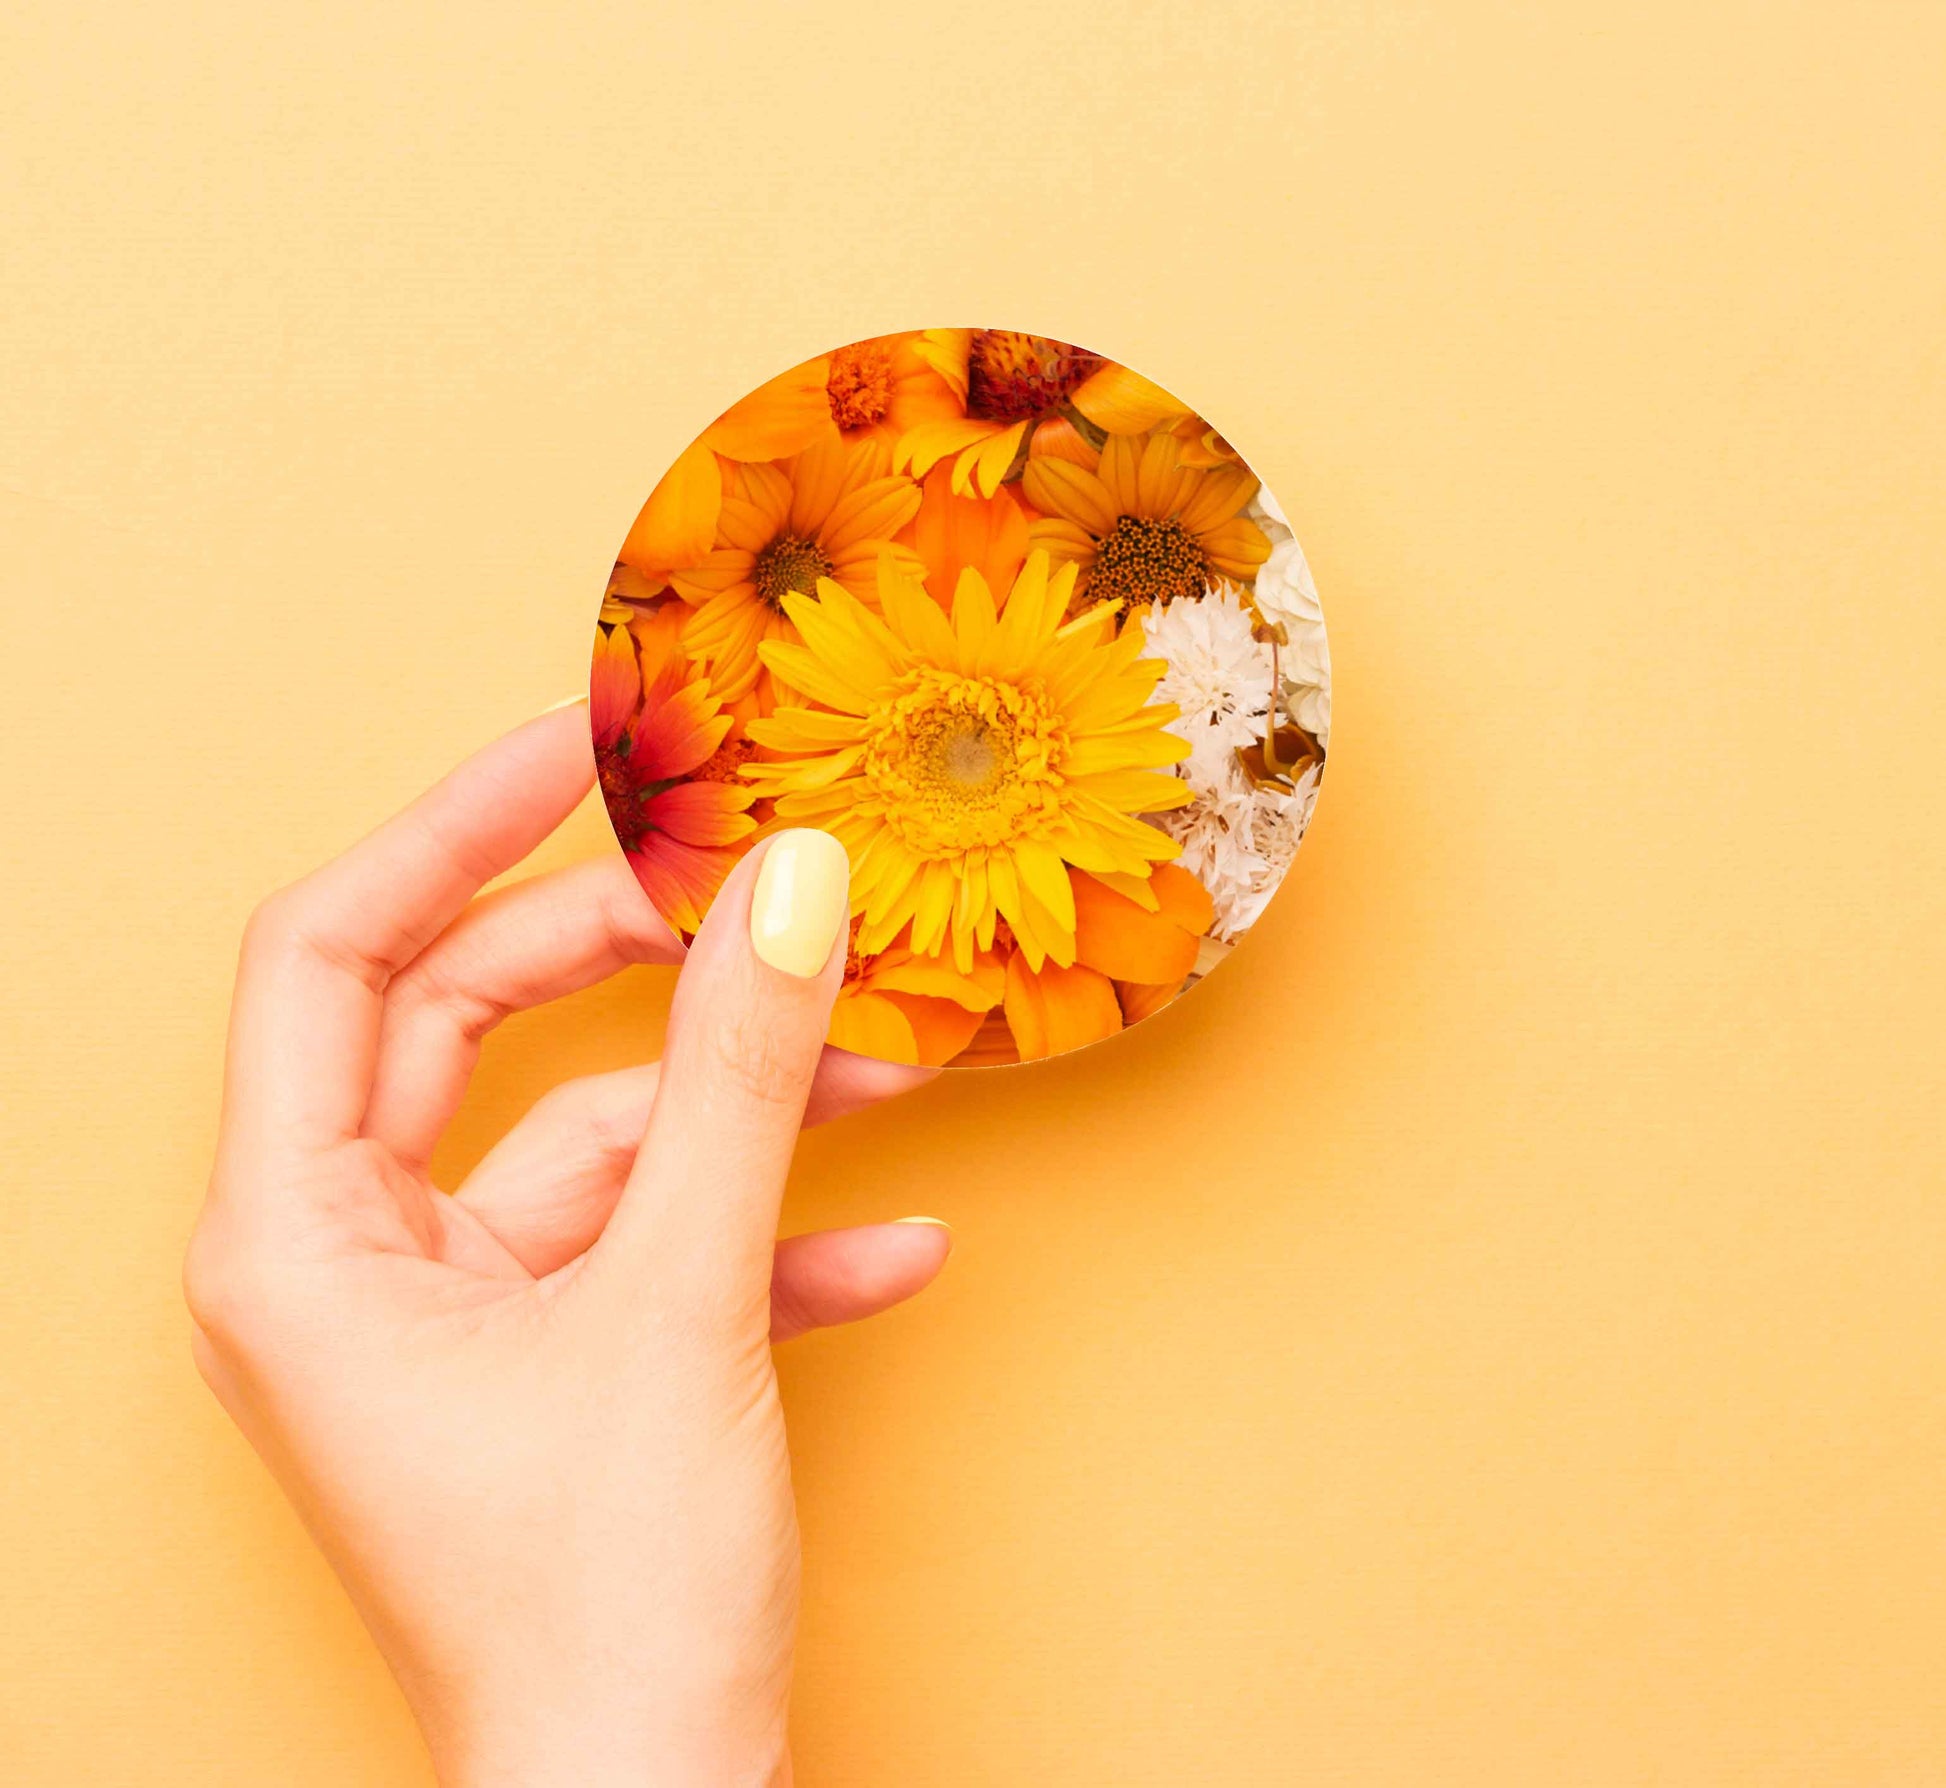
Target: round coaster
{"x":1020,"y":629}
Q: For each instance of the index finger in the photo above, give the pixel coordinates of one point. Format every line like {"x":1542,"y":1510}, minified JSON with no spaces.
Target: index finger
{"x":316,"y":957}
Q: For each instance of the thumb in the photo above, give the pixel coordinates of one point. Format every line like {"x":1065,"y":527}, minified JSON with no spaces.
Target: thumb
{"x":745,"y":1033}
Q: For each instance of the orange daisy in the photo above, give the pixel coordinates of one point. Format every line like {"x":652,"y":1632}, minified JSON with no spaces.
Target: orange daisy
{"x":1143,"y":525}
{"x":1015,"y":388}
{"x":880,"y":386}
{"x":677,"y":525}
{"x":827,"y":513}
{"x":656,"y":726}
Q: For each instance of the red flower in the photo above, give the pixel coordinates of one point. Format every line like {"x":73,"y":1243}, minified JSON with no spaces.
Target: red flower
{"x":656,"y":723}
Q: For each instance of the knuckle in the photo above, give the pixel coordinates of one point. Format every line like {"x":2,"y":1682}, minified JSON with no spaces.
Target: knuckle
{"x":616,"y":1118}
{"x":431,"y":985}
{"x":592,"y":1115}
{"x":271,"y":925}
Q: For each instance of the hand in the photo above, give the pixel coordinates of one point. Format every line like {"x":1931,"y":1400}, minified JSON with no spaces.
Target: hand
{"x":534,"y":1424}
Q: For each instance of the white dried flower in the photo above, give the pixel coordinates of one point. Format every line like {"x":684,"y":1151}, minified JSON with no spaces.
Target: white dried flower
{"x":1238,"y":840}
{"x":1218,"y":674}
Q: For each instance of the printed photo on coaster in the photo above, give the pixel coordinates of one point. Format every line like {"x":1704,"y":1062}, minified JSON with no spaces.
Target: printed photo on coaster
{"x":1018,"y":627}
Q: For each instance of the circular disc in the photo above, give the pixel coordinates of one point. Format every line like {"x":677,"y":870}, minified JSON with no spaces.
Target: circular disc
{"x":1017,"y":626}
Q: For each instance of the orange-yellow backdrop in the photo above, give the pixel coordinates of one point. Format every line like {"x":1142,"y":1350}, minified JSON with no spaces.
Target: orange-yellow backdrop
{"x":1491,"y":1334}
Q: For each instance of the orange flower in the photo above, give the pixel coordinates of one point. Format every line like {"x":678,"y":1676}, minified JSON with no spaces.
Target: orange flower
{"x":656,"y":724}
{"x":1135,"y":944}
{"x":827,"y":513}
{"x":906,"y":1008}
{"x":1011,"y":385}
{"x":880,"y":386}
{"x":677,"y":525}
{"x":952,"y":533}
{"x":1143,"y":525}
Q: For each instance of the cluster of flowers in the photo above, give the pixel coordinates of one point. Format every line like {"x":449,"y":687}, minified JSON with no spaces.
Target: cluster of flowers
{"x":1021,"y":631}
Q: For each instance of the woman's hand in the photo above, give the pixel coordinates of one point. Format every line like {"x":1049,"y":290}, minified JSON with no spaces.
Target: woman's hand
{"x":534,"y":1424}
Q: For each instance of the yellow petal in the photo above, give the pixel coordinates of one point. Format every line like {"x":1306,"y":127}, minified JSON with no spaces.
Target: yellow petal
{"x":806,"y":671}
{"x":1125,"y":403}
{"x":1135,"y":791}
{"x":1161,"y":486}
{"x":1070,"y":492}
{"x":947,"y":352}
{"x":1216,"y":497}
{"x":803,"y":729}
{"x":1236,"y":548}
{"x":1120,"y":456}
{"x":989,"y":463}
{"x":918,"y":621}
{"x":923,"y":446}
{"x":973,"y":619}
{"x":1043,"y":875}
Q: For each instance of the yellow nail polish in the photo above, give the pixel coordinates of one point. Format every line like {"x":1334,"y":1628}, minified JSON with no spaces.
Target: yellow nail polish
{"x":801,"y":901}
{"x":566,"y":702}
{"x":936,"y":1222}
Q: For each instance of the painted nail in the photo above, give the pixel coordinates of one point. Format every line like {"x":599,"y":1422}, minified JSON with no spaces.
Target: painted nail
{"x":801,"y":901}
{"x":556,"y":707}
{"x":936,"y":1222}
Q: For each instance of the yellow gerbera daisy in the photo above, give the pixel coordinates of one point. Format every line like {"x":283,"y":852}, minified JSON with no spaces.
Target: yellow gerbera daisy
{"x":966,"y":763}
{"x":827,"y":513}
{"x":1144,"y":526}
{"x":1012,"y":383}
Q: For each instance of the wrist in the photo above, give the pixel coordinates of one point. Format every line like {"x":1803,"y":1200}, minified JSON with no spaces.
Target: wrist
{"x":531,"y":1739}
{"x":600,"y":1755}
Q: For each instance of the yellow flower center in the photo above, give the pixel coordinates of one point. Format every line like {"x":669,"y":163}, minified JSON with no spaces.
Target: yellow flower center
{"x":788,"y":563}
{"x":1141,"y":561}
{"x":954,"y":763}
{"x":859,"y":386}
{"x":1010,"y":376}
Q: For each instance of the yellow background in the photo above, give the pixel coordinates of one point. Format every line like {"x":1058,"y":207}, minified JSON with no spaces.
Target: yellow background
{"x":1493,"y":1332}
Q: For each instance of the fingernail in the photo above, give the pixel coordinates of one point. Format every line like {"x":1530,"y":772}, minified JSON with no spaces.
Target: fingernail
{"x":801,"y":902}
{"x":933,"y":1223}
{"x":556,"y":707}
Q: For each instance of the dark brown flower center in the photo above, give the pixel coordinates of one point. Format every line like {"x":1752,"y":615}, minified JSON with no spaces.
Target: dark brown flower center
{"x":788,"y":563}
{"x":624,"y":790}
{"x":1148,"y":561}
{"x":1010,"y":376}
{"x":859,"y":386}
